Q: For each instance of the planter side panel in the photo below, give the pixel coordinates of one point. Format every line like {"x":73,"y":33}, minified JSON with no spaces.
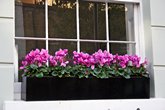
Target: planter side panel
{"x":50,"y":88}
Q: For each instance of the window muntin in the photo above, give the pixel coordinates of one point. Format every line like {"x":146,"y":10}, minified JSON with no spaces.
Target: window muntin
{"x":104,"y":35}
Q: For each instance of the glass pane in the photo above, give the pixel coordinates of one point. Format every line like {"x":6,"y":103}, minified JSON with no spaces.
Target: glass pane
{"x":122,"y":49}
{"x":56,"y":45}
{"x":121,"y":22}
{"x":29,"y":18}
{"x":24,"y":47}
{"x":91,"y":47}
{"x":62,"y":19}
{"x":92,"y":20}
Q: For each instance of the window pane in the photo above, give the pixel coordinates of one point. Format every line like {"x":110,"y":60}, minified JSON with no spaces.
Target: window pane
{"x":62,"y":19}
{"x":56,"y":45}
{"x":92,"y":20}
{"x":29,"y":18}
{"x":122,"y":49}
{"x":91,"y":47}
{"x":121,"y":22}
{"x":24,"y":47}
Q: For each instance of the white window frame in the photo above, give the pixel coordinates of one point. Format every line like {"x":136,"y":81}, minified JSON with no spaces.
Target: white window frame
{"x":138,"y":35}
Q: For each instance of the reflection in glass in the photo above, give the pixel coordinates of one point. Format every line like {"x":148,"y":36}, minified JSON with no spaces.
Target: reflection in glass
{"x":62,"y":19}
{"x":24,"y":47}
{"x":122,"y":49}
{"x":121,"y":22}
{"x":29,"y":19}
{"x":92,"y":20}
{"x":91,"y":47}
{"x":56,"y":45}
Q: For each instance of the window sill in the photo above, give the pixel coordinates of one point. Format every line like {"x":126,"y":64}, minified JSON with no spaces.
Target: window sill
{"x":127,"y":104}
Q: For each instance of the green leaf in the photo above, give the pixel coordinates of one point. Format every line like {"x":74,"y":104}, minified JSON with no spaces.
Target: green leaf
{"x":140,"y":70}
{"x":40,"y":75}
{"x":33,"y":66}
{"x":44,"y":70}
{"x":127,"y":70}
{"x":63,"y":72}
{"x":97,"y":71}
{"x":127,"y":76}
{"x":121,"y":73}
{"x":145,"y":75}
{"x":113,"y":72}
{"x":54,"y":73}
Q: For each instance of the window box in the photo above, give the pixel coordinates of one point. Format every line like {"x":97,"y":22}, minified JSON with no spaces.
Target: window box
{"x":53,"y":88}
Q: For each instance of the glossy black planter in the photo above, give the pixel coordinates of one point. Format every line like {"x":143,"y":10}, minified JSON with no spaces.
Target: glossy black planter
{"x":52,"y":88}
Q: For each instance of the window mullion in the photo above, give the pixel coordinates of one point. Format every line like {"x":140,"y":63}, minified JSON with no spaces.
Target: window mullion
{"x":78,"y":25}
{"x":46,"y":24}
{"x":107,"y":25}
{"x":139,"y":33}
{"x":136,"y":27}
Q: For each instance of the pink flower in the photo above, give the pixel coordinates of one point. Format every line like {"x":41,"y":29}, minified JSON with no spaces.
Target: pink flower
{"x":93,"y":67}
{"x":61,"y":52}
{"x":59,"y":58}
{"x":135,"y":60}
{"x":35,"y":57}
{"x":64,"y":63}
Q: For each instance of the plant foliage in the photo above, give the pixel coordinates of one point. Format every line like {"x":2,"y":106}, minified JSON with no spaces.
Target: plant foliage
{"x":101,"y":64}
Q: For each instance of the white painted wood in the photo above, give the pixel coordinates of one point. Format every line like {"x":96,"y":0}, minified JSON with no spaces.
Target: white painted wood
{"x":78,"y":25}
{"x":107,"y":25}
{"x":82,"y":40}
{"x":147,"y":39}
{"x":6,"y":40}
{"x":142,"y":104}
{"x":17,"y":87}
{"x":159,"y":81}
{"x":6,"y":83}
{"x":158,"y":39}
{"x":17,"y":91}
{"x":46,"y":24}
{"x":7,"y":8}
{"x":157,"y":12}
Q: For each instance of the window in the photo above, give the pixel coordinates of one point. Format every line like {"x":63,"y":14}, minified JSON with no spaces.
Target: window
{"x":82,"y":25}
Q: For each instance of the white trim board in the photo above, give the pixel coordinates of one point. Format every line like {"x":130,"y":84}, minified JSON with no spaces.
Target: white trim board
{"x":129,"y":104}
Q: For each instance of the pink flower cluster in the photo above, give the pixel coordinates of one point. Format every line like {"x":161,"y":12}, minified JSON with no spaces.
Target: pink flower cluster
{"x":103,"y":58}
{"x":83,"y":59}
{"x":98,"y":58}
{"x":127,"y":60}
{"x":40,"y":58}
{"x":36,"y":57}
{"x":59,"y":58}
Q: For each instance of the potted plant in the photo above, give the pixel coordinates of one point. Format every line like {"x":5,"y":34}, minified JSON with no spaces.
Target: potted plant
{"x":97,"y":76}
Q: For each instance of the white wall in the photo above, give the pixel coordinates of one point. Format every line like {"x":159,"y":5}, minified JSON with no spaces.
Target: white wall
{"x":158,"y":39}
{"x":6,"y":50}
{"x":146,"y":17}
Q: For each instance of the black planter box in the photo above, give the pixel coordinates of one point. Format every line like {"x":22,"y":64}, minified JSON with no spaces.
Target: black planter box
{"x":52,"y":88}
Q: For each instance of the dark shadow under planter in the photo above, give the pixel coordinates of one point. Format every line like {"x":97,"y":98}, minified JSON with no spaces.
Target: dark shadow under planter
{"x":53,"y":88}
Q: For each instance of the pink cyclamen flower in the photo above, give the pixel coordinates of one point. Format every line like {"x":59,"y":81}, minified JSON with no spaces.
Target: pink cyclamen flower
{"x":35,"y":57}
{"x":59,"y":58}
